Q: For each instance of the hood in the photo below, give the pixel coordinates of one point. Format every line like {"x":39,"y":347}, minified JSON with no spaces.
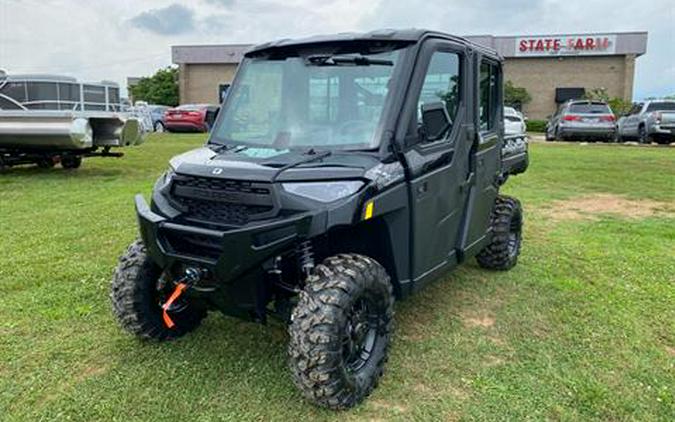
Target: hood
{"x":267,"y":164}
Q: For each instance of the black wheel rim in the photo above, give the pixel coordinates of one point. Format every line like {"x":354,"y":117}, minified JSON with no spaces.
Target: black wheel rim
{"x":360,"y":335}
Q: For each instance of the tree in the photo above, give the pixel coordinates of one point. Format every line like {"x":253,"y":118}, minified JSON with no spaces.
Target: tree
{"x":618,"y":105}
{"x":515,"y":96}
{"x":160,"y":88}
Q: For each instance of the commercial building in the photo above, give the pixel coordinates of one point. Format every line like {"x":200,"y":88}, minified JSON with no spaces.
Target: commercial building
{"x":553,"y":68}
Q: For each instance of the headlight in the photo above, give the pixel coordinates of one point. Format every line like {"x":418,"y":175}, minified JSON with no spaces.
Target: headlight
{"x":323,"y":191}
{"x":165,"y":180}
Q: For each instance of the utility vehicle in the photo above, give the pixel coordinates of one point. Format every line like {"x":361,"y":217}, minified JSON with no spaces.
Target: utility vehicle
{"x":342,"y":173}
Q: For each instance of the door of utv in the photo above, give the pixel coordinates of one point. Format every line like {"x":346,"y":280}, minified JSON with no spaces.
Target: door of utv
{"x":486,"y":155}
{"x":438,"y":168}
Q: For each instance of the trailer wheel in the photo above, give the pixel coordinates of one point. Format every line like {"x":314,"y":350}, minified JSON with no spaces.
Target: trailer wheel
{"x":340,"y":331}
{"x":71,"y":161}
{"x":507,"y":222}
{"x":137,"y":296}
{"x":45,"y":163}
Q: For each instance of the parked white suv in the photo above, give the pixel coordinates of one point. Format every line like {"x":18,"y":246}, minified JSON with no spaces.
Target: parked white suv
{"x":648,"y":122}
{"x":514,"y":122}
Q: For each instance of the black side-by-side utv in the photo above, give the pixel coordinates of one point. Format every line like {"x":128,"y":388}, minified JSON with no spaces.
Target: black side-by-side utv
{"x":342,"y":173}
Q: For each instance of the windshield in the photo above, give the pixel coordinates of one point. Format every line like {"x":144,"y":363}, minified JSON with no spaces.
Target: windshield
{"x":661,"y":106}
{"x":322,"y":101}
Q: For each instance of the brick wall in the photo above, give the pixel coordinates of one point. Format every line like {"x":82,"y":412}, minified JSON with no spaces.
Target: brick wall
{"x":541,"y":76}
{"x":198,"y":83}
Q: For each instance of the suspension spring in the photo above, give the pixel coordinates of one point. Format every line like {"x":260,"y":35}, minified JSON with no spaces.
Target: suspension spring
{"x":306,"y":257}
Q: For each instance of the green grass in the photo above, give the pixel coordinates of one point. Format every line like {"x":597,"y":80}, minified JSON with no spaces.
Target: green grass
{"x":583,"y":328}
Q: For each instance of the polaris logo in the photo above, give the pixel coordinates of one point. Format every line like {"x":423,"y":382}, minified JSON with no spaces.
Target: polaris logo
{"x":217,"y":171}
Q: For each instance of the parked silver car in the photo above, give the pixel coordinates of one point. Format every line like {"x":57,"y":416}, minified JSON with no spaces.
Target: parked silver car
{"x":582,"y":120}
{"x":648,"y":122}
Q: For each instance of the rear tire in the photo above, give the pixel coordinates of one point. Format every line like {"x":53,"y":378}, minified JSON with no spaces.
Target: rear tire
{"x":136,"y":299}
{"x":159,"y":127}
{"x":340,"y":331}
{"x":503,"y":250}
{"x":71,"y":162}
{"x":663,"y":140}
{"x":548,"y":137}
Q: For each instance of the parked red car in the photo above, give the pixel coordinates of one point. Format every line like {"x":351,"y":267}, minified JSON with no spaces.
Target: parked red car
{"x":191,"y":118}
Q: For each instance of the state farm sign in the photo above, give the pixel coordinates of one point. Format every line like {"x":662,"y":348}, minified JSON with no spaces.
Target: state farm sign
{"x":566,"y":45}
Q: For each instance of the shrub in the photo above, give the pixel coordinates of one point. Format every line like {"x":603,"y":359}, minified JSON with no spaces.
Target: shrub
{"x":536,"y":125}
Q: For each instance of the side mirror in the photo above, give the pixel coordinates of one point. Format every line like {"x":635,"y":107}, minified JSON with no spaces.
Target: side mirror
{"x":435,"y":120}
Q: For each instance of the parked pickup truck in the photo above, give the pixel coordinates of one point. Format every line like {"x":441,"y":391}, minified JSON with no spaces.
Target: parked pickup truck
{"x":651,"y":121}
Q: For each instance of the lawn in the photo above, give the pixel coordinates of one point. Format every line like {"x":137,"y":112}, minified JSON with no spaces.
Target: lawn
{"x":583,"y":328}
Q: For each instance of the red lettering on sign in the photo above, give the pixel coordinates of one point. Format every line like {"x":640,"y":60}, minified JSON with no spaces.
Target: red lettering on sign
{"x":540,"y":45}
{"x":579,"y":45}
{"x":590,"y":44}
{"x":556,"y":44}
{"x":523,"y":45}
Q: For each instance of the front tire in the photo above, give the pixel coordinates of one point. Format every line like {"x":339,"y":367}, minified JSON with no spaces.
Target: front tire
{"x":159,"y":127}
{"x":548,"y":137}
{"x":137,"y":299}
{"x":503,"y":250}
{"x":340,"y":331}
{"x":643,"y":136}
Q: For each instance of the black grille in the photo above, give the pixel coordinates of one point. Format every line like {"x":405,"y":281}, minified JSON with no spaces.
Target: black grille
{"x":220,"y":212}
{"x":223,"y":185}
{"x":222,"y":201}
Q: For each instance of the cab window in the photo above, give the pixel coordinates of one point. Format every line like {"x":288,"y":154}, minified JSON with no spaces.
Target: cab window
{"x":488,"y":96}
{"x":441,"y":84}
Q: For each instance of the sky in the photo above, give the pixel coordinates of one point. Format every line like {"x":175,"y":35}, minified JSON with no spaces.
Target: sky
{"x":112,"y":39}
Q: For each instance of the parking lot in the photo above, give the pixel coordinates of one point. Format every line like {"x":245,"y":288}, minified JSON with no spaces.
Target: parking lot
{"x":581,"y":329}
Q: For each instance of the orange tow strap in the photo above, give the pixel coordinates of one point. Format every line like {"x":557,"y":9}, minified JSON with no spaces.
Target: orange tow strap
{"x":180,"y":287}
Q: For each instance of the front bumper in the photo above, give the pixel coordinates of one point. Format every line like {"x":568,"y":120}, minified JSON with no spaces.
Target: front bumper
{"x":227,"y":254}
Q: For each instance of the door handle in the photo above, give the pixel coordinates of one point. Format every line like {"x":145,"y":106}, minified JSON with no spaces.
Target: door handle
{"x":422,"y":188}
{"x":468,"y":182}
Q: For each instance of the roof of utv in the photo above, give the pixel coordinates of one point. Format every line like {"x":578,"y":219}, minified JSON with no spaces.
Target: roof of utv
{"x":382,"y":35}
